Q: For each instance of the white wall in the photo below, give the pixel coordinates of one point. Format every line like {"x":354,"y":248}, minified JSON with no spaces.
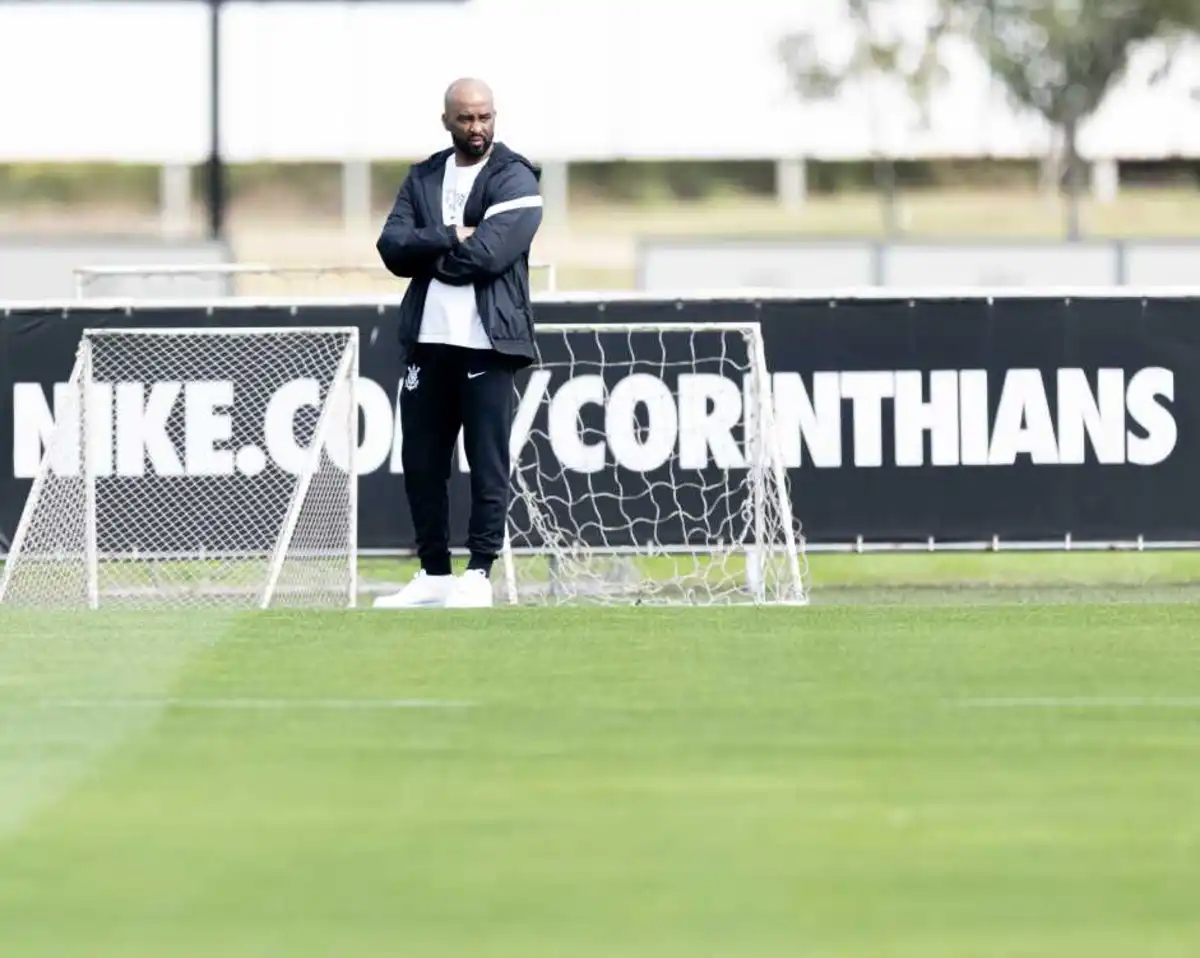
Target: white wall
{"x":575,"y":79}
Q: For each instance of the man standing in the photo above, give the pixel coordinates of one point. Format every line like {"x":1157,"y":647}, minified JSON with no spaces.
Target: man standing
{"x":460,"y":230}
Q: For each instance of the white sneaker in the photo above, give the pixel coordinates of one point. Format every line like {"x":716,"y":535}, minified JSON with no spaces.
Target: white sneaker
{"x":473,"y":590}
{"x":423,"y":592}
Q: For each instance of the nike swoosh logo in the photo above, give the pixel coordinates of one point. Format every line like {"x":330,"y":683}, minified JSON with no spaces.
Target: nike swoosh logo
{"x":474,"y":375}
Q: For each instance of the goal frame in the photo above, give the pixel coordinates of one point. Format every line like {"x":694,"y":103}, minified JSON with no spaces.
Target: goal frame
{"x":762,"y":436}
{"x":79,"y":380}
{"x":84,"y":276}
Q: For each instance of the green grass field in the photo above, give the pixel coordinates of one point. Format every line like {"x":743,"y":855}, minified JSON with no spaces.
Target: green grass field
{"x":944,"y":755}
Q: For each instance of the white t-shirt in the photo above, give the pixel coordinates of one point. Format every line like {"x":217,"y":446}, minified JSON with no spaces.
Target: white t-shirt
{"x":451,"y":315}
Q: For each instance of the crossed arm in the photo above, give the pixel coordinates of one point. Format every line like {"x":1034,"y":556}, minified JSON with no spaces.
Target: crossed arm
{"x":406,"y":249}
{"x":502,"y":237}
{"x":459,"y":258}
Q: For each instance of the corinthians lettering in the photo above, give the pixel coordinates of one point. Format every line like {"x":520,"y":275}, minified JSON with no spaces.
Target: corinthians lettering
{"x":641,"y":422}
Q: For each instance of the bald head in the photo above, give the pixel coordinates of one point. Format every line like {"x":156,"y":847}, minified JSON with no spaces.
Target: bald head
{"x":470,"y":118}
{"x":466,"y":90}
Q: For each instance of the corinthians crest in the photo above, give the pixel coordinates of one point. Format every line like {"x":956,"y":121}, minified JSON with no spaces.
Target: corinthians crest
{"x":413,"y":378}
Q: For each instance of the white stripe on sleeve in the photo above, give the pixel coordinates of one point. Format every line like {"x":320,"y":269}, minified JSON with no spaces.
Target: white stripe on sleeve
{"x":520,"y":203}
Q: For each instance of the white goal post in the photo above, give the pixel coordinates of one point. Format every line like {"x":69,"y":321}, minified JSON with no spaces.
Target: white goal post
{"x":648,"y":469}
{"x":173,"y":501}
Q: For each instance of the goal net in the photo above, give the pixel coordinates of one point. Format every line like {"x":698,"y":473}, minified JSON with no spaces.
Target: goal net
{"x":647,"y":468}
{"x":167,"y":480}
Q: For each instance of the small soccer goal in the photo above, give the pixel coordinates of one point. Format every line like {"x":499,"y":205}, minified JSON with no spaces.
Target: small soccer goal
{"x":168,"y":481}
{"x":648,"y":469}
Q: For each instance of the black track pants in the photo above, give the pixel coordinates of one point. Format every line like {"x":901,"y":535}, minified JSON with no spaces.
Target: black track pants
{"x":448,"y":388}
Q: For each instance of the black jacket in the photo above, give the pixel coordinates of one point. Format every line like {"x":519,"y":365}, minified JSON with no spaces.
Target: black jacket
{"x":505,"y":207}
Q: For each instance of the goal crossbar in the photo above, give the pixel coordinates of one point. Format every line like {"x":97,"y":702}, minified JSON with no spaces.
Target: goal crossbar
{"x":88,"y":275}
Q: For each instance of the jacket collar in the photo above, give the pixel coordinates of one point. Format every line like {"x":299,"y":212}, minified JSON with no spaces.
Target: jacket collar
{"x":502,"y":155}
{"x":433,"y":169}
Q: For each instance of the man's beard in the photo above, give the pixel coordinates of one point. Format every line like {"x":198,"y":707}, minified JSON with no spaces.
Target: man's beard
{"x":464,"y":145}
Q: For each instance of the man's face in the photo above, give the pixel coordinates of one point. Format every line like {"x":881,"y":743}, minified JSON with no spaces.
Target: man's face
{"x":471,"y":123}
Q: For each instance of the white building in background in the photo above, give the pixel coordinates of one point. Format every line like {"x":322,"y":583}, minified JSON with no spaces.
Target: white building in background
{"x":352,"y":82}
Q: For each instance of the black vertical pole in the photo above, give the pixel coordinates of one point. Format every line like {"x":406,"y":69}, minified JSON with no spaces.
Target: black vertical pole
{"x":215,"y":166}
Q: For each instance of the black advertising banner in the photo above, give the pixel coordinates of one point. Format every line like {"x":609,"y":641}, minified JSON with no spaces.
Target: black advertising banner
{"x":1022,"y":418}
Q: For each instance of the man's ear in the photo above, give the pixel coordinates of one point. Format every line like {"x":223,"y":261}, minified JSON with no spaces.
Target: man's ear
{"x":446,"y":123}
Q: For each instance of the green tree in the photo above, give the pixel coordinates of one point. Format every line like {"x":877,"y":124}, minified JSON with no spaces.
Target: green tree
{"x":1059,"y":58}
{"x":879,"y":56}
